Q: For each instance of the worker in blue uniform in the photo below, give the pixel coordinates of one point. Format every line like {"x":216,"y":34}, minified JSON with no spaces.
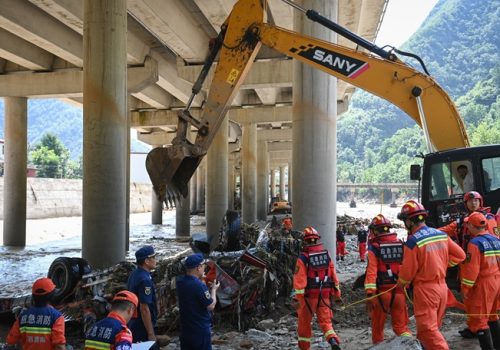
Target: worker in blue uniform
{"x":196,"y":302}
{"x":141,"y":284}
{"x":112,"y":332}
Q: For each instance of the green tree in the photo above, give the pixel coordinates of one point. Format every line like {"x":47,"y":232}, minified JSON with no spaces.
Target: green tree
{"x":51,"y":157}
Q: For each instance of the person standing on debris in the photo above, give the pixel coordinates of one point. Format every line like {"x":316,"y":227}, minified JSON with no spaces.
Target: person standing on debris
{"x":287,"y":224}
{"x":141,"y":283}
{"x":341,"y":252}
{"x":112,"y":332}
{"x":40,"y":327}
{"x":315,"y":282}
{"x":195,"y":304}
{"x":427,"y":254}
{"x":480,"y":278}
{"x":384,"y":262}
{"x":362,"y":238}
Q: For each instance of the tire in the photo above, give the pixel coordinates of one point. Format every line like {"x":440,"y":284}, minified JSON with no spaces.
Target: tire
{"x":65,"y":273}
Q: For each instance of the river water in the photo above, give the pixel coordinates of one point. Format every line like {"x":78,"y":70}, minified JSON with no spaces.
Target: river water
{"x":48,"y":239}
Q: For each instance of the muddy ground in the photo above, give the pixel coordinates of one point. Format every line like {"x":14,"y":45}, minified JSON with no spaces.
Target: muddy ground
{"x":18,"y":268}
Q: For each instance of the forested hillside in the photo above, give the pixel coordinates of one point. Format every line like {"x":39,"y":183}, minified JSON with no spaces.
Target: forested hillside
{"x":460,"y":46}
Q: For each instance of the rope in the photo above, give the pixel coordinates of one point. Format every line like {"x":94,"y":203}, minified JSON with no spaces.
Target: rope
{"x":343,"y":307}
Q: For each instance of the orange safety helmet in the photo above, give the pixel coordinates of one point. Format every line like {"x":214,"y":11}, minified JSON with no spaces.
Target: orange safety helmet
{"x":411,"y":209}
{"x":43,"y":286}
{"x":473,"y":195}
{"x":126,"y":295}
{"x":380,"y":223}
{"x":310,"y":233}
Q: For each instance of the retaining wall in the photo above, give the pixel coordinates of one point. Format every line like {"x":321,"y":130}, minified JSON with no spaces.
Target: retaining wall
{"x":49,"y":198}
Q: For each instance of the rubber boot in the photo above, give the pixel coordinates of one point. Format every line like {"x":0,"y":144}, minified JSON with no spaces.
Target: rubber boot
{"x":495,"y":333}
{"x":467,"y":333}
{"x":485,"y":341}
{"x":333,"y":343}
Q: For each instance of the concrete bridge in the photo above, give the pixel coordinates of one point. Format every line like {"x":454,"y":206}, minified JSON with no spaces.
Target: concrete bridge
{"x":131,"y":64}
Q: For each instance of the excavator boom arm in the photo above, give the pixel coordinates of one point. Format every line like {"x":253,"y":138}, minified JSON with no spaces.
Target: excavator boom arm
{"x":245,"y":30}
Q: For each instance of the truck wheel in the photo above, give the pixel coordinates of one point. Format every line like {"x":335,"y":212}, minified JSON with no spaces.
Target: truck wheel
{"x":65,"y":273}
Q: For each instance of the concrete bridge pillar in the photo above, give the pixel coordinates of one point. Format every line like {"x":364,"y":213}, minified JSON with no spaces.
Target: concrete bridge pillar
{"x":282,"y":183}
{"x":104,"y":132}
{"x":193,"y":192}
{"x":231,"y":181}
{"x":315,"y":134}
{"x":290,"y":182}
{"x":262,"y":176}
{"x":15,"y":164}
{"x":217,"y":185}
{"x":182,"y":219}
{"x":156,"y":205}
{"x":273,"y":183}
{"x":394,"y":193}
{"x":249,"y":174}
{"x":200,"y":189}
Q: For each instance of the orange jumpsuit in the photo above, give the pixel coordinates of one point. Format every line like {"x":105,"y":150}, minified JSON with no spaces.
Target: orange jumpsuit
{"x":315,"y":268}
{"x":481,"y":280}
{"x":384,"y":261}
{"x":427,"y":254}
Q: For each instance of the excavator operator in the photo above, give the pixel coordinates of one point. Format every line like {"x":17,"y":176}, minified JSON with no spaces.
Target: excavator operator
{"x":314,"y":282}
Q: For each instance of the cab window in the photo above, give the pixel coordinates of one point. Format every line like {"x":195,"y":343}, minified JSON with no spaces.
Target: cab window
{"x":451,"y":179}
{"x":491,"y":174}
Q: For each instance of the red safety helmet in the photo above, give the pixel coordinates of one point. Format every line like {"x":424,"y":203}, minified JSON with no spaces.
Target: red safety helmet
{"x":310,"y":233}
{"x":473,"y":195}
{"x":43,"y":286}
{"x":380,"y":224}
{"x":126,"y":295}
{"x":411,"y":209}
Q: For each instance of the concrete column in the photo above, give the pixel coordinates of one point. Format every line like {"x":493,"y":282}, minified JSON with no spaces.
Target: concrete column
{"x":262,"y":176}
{"x":217,"y":187}
{"x":273,"y":183}
{"x":156,"y":205}
{"x":15,"y":163}
{"x":200,"y":189}
{"x":249,"y":174}
{"x":231,"y":182}
{"x":290,"y":182}
{"x":104,"y":132}
{"x":193,"y":192}
{"x":315,"y":134}
{"x":393,"y":198}
{"x":182,"y":218}
{"x":282,"y":182}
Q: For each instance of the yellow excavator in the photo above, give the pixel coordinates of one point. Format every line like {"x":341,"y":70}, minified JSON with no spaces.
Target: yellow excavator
{"x":380,"y":72}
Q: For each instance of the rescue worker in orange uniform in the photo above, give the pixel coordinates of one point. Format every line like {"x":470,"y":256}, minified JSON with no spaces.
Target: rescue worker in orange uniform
{"x":340,"y":236}
{"x":384,"y":261}
{"x":480,"y":276}
{"x":459,"y":232}
{"x":40,"y":327}
{"x":362,"y":240}
{"x":314,"y":282}
{"x":112,"y":332}
{"x":427,"y":254}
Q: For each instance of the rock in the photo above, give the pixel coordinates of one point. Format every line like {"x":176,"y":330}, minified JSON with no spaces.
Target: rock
{"x":258,"y":336}
{"x":266,"y":324}
{"x":163,"y":340}
{"x":399,"y":343}
{"x":246,"y":344}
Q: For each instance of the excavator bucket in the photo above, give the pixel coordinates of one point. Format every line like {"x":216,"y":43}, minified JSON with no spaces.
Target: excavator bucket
{"x":171,"y":168}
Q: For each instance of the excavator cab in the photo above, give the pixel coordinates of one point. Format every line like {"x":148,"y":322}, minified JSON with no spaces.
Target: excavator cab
{"x":448,"y":175}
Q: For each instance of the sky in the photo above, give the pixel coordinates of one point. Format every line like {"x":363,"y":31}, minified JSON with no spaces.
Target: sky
{"x":402,"y":18}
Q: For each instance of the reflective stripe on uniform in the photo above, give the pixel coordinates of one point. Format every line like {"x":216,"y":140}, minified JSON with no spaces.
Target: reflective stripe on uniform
{"x":299,"y":291}
{"x":36,"y":330}
{"x":492,"y":253}
{"x":330,"y":332}
{"x":467,"y":282}
{"x":434,"y":239}
{"x":370,"y":286}
{"x":94,"y":344}
{"x":304,"y":339}
{"x":405,"y":334}
{"x":452,"y":263}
